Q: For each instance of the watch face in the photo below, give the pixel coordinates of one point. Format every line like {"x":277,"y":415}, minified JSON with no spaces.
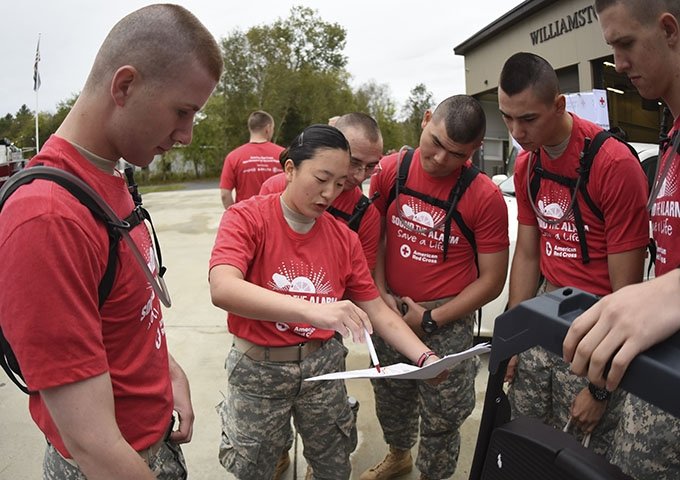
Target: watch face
{"x":429,"y":326}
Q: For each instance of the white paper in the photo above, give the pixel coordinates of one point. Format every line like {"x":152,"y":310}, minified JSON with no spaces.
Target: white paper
{"x":408,"y":372}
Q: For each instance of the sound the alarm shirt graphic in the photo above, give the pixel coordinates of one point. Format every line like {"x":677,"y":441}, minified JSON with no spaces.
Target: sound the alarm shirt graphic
{"x":302,"y":281}
{"x":561,"y":239}
{"x":666,"y":214}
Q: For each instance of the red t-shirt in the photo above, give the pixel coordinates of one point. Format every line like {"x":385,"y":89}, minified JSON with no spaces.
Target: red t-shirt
{"x":55,"y":256}
{"x":666,"y":213}
{"x":248,"y":166}
{"x":320,"y":266}
{"x":618,"y":187}
{"x":414,"y":264}
{"x":369,"y":228}
{"x":274,"y":184}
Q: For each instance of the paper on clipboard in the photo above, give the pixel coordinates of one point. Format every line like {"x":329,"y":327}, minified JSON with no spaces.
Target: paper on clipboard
{"x":408,"y":372}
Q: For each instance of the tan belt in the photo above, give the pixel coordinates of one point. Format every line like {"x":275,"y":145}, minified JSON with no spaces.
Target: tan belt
{"x":147,"y":454}
{"x":293,"y":353}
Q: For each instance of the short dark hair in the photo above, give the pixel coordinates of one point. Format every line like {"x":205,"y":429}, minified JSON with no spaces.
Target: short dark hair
{"x":527,"y":70}
{"x":312,"y":139}
{"x":259,"y":120}
{"x":361,"y":121}
{"x":166,"y":38}
{"x":463,"y":118}
{"x":644,"y":11}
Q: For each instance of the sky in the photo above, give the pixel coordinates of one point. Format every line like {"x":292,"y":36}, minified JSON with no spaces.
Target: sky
{"x":393,"y":42}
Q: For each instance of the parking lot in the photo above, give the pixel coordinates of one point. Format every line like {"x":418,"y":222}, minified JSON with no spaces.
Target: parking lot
{"x":186,"y":222}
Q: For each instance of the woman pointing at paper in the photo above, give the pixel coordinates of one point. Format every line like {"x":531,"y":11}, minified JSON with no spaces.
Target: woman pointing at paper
{"x":280,"y":267}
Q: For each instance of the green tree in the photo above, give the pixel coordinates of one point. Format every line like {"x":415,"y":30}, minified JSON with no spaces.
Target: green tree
{"x":205,"y":151}
{"x":376,"y":100}
{"x":417,"y":103}
{"x":22,"y":132}
{"x":6,"y":126}
{"x":50,"y":123}
{"x":293,"y":68}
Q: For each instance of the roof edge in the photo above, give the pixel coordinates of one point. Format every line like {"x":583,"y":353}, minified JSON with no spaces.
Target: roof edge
{"x":514,"y":16}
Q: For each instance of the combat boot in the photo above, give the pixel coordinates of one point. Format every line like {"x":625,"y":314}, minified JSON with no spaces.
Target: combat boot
{"x":396,"y":463}
{"x":281,"y":466}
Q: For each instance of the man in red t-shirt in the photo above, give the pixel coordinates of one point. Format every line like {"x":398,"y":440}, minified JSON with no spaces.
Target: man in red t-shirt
{"x":105,"y":386}
{"x":247,"y":167}
{"x":643,"y":35}
{"x":366,"y":144}
{"x":436,"y":290}
{"x":549,"y":237}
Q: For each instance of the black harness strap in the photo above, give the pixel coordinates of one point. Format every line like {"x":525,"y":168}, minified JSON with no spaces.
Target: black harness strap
{"x":590,"y":149}
{"x":8,"y":360}
{"x":360,"y":210}
{"x":337,"y":213}
{"x":467,"y":175}
{"x":353,"y":220}
{"x":106,"y":283}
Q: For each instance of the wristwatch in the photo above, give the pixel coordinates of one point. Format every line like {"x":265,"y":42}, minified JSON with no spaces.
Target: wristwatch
{"x":428,"y":324}
{"x":599,"y":394}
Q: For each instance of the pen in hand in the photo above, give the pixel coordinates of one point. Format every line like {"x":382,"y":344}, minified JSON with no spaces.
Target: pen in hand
{"x":371,"y":350}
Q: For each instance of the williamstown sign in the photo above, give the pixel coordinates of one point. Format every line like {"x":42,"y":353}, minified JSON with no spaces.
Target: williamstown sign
{"x":578,"y":19}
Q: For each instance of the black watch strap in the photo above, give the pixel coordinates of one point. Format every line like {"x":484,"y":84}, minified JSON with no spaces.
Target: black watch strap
{"x":428,"y":324}
{"x":599,"y":394}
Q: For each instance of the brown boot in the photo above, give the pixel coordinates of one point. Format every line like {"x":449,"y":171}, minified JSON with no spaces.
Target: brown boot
{"x":396,"y":463}
{"x":309,"y":474}
{"x":281,"y":466}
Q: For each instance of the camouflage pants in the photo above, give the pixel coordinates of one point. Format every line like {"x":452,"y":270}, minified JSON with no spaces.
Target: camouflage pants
{"x":262,"y":396}
{"x":441,"y":409}
{"x":354,"y":439}
{"x":167,"y":464}
{"x":646,"y":442}
{"x":544,"y":388}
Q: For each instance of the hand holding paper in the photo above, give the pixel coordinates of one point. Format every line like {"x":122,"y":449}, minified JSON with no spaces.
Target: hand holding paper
{"x":406,"y":371}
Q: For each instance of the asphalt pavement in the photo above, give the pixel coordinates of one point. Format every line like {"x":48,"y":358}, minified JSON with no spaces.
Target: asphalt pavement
{"x":186,"y":222}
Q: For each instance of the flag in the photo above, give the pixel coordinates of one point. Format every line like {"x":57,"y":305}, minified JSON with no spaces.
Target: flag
{"x":36,"y":73}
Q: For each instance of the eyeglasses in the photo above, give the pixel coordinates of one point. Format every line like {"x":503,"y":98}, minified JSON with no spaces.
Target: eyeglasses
{"x":357,"y":165}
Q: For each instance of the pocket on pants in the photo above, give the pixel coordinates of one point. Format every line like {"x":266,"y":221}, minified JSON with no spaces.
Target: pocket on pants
{"x":239,"y":455}
{"x":346,"y":423}
{"x":169,"y":463}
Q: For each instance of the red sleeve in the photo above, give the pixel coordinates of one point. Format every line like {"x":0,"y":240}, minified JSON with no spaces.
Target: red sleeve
{"x":228,"y":176}
{"x":617,"y":174}
{"x":237,"y":238}
{"x":525,"y":214}
{"x":359,"y":286}
{"x":489,"y":215}
{"x":274,"y":184}
{"x":382,"y":181}
{"x":45,"y":300}
{"x":369,"y":235}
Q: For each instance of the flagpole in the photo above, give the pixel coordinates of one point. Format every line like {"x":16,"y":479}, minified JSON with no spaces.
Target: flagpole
{"x":37,"y":133}
{"x":36,"y":87}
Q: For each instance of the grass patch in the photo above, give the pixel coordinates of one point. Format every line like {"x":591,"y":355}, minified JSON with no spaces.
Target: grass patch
{"x":169,"y":187}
